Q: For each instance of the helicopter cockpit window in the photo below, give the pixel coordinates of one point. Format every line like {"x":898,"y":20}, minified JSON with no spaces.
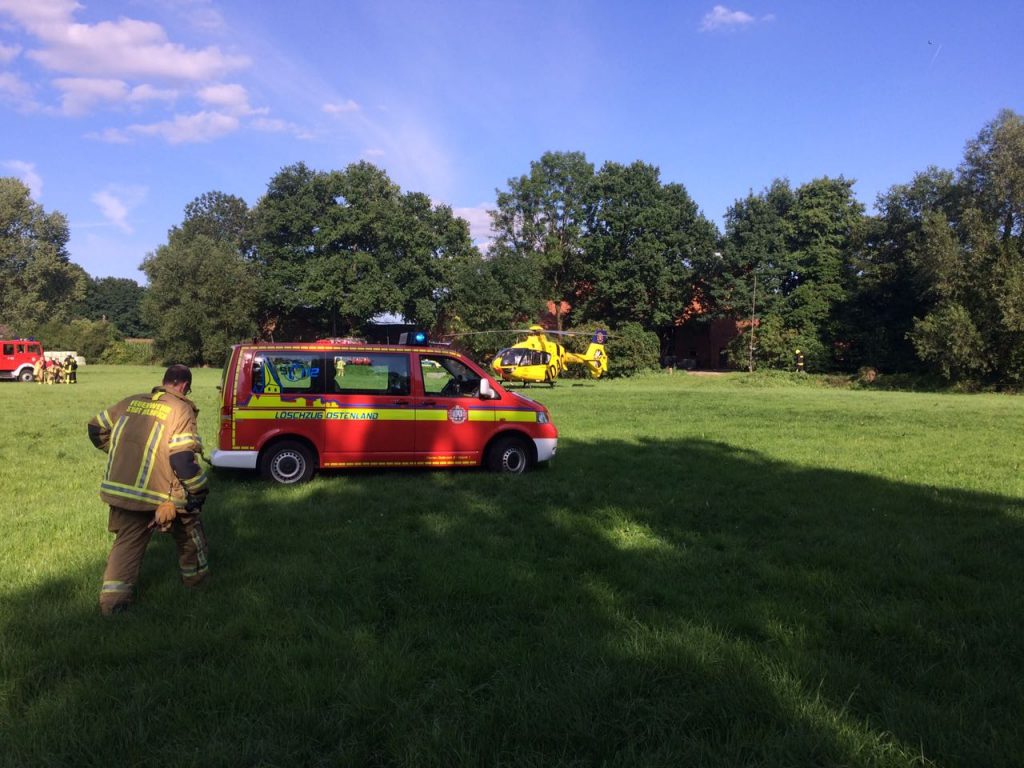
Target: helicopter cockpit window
{"x":519,"y":356}
{"x":448,"y":377}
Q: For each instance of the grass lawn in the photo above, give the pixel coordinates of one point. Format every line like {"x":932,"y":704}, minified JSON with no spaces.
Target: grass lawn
{"x":713,"y":572}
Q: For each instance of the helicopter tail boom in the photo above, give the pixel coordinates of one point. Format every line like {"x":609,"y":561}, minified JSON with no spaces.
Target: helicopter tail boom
{"x":596,"y":358}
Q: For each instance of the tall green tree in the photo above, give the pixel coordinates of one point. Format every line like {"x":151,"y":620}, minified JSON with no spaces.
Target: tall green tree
{"x":826,"y":220}
{"x":202,"y":295}
{"x":219,"y":216}
{"x":117,"y":300}
{"x":200,"y":299}
{"x":335,"y":249}
{"x":541,"y":219}
{"x":643,"y":241}
{"x":38,"y":281}
{"x":967,"y":263}
{"x":756,"y":272}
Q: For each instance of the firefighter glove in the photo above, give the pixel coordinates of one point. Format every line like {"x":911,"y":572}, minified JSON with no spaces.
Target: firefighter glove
{"x":164,"y":515}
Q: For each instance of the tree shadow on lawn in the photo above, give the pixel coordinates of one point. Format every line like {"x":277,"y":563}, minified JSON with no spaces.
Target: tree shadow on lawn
{"x":667,"y":603}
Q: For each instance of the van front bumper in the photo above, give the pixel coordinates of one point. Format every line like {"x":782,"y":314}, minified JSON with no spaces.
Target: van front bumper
{"x":546,"y":447}
{"x":235,"y":459}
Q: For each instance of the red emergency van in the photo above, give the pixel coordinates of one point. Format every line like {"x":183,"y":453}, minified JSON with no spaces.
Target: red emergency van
{"x":17,"y":356}
{"x":288,"y":409}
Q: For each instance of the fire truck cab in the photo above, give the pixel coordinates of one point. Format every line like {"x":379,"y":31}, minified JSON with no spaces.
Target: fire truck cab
{"x":290,"y":409}
{"x":17,"y":356}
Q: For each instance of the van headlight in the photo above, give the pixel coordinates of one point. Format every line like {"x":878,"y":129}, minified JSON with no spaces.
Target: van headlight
{"x":542,"y":418}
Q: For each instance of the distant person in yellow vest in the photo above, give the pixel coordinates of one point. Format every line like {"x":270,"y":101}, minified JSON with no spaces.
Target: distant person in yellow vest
{"x":70,"y":370}
{"x":37,"y":370}
{"x":152,"y":482}
{"x":798,"y":358}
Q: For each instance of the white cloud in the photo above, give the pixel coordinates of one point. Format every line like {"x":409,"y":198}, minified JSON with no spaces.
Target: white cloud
{"x":16,"y":89}
{"x":9,"y":52}
{"x":721,"y":17}
{"x":479,"y":219}
{"x":276,"y":125}
{"x":346,"y":107}
{"x":189,"y":129}
{"x":125,"y":48}
{"x":373,"y":152}
{"x":116,"y":202}
{"x":27,"y":173}
{"x":148,"y":93}
{"x":80,"y":94}
{"x":198,"y":128}
{"x":230,"y":97}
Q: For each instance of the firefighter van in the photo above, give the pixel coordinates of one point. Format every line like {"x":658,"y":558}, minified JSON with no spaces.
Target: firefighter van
{"x":290,"y":409}
{"x":17,"y":356}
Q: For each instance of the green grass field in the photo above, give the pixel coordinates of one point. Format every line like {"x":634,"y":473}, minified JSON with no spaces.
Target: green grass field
{"x":713,"y":572}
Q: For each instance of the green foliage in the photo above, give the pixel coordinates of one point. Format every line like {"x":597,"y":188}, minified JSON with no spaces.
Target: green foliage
{"x":632,"y":350}
{"x":542,"y":220}
{"x":38,"y":282}
{"x":90,"y":338}
{"x":949,"y":340}
{"x":933,"y":284}
{"x":201,"y":299}
{"x":118,"y":300}
{"x":643,"y":239}
{"x":218,"y":216}
{"x":137,"y":352}
{"x":349,"y":245}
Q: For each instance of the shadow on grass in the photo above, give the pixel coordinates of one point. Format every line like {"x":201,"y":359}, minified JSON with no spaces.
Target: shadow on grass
{"x":668,"y":603}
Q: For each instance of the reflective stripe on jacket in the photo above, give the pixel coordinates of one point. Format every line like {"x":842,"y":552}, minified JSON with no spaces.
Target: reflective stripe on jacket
{"x":140,"y":434}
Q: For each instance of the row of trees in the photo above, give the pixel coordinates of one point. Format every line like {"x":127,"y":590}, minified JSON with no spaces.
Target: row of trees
{"x":933,"y":282}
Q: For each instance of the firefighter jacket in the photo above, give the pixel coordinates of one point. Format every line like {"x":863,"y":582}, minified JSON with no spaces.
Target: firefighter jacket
{"x":151,"y":441}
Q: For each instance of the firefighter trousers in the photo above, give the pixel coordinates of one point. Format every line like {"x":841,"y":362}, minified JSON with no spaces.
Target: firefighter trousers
{"x":133,"y":531}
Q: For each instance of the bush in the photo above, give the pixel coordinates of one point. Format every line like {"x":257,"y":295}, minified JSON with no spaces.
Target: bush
{"x":631,"y":350}
{"x":135,"y":352}
{"x":90,"y":338}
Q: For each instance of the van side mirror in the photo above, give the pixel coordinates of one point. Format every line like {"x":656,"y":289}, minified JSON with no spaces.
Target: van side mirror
{"x":486,"y":391}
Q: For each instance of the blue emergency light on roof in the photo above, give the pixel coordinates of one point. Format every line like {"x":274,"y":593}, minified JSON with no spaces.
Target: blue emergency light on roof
{"x":414,"y":338}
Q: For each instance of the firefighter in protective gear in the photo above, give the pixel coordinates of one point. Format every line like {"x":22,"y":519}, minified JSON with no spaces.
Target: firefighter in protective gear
{"x":152,"y":482}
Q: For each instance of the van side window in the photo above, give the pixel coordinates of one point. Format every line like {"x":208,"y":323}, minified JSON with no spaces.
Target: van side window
{"x":8,"y":349}
{"x":448,"y":377}
{"x":364,"y":373}
{"x":280,"y":373}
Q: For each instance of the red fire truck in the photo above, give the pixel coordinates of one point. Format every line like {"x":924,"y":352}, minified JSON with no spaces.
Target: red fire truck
{"x":289,"y":409}
{"x":17,"y":356}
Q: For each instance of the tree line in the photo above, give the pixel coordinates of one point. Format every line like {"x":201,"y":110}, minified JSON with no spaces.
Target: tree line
{"x":933,"y":283}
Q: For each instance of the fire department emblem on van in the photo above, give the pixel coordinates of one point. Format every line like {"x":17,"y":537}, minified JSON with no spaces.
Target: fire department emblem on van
{"x":457,"y":414}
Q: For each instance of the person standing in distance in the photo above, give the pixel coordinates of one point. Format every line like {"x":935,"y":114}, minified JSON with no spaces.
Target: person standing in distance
{"x":152,"y":482}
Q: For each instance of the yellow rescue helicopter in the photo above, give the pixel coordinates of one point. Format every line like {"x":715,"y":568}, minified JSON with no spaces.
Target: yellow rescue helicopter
{"x":540,"y":360}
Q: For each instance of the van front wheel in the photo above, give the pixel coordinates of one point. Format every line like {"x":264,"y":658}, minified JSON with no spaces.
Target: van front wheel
{"x":287,"y":463}
{"x":509,"y":455}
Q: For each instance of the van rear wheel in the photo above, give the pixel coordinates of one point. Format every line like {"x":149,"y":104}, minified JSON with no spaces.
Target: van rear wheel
{"x":287,"y":462}
{"x":510,"y":456}
{"x":26,"y":376}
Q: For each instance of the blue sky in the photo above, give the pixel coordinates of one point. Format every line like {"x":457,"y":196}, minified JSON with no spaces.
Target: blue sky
{"x":118,"y":114}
